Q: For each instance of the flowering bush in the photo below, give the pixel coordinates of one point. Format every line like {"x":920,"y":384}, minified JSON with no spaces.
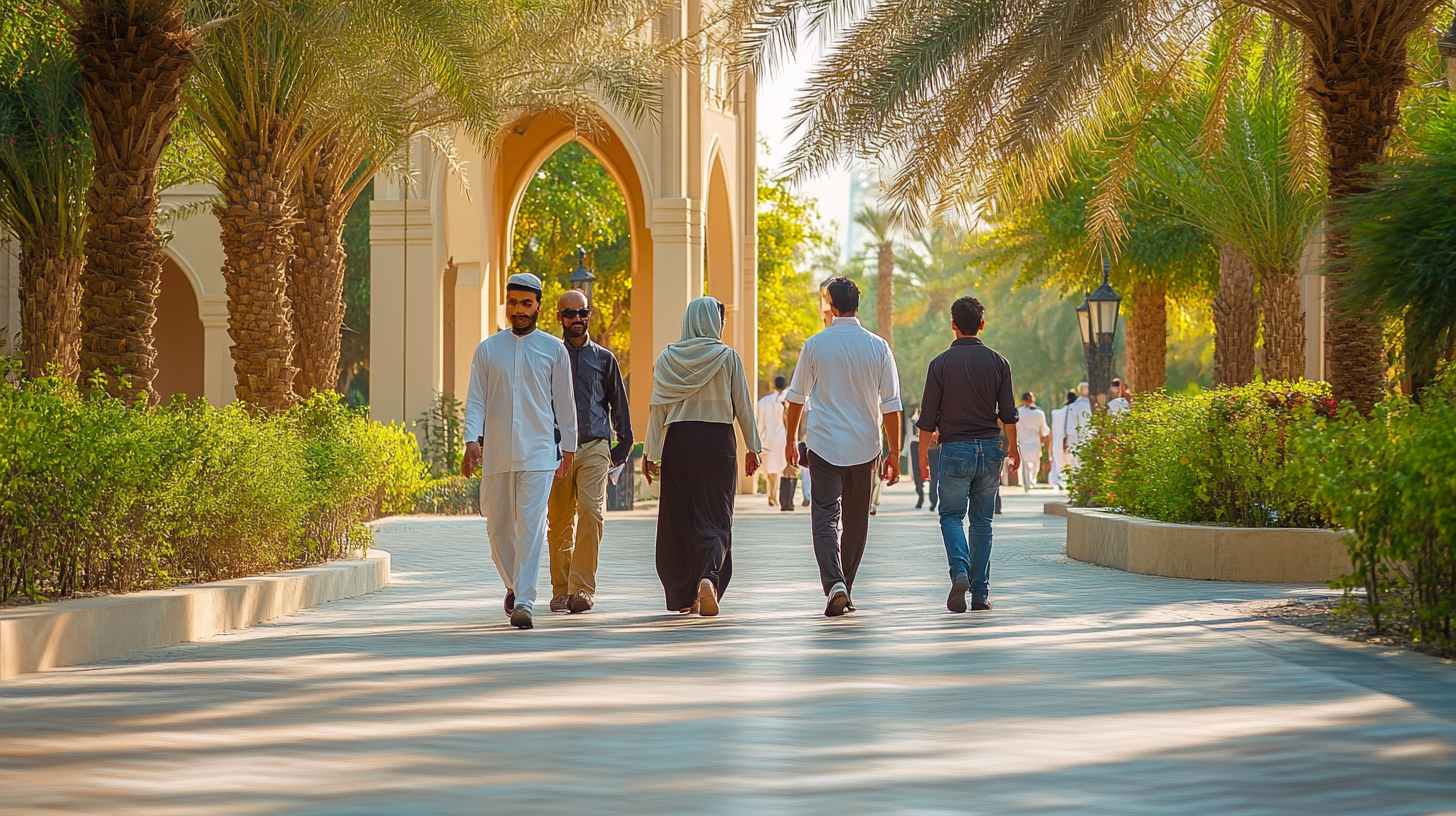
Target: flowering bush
{"x":1218,"y":456}
{"x":100,"y":496}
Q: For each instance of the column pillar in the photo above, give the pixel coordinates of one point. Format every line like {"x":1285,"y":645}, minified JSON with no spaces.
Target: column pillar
{"x":404,"y":313}
{"x":677,"y":266}
{"x":219,"y":376}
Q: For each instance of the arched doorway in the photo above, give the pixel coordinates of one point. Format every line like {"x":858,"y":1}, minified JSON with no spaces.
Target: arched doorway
{"x":178,"y":336}
{"x":572,"y":201}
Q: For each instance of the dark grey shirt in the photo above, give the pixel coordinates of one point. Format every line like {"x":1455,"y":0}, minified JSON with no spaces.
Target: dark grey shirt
{"x":601,"y":398}
{"x":967,"y":389}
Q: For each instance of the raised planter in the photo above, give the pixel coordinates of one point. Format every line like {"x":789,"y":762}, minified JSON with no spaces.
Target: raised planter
{"x":1257,"y":555}
{"x":70,"y":633}
{"x":1056,"y":508}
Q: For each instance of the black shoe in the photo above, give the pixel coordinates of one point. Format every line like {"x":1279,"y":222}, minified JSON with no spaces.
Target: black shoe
{"x":510,"y":602}
{"x":959,"y":586}
{"x":932,"y":507}
{"x":980,"y":606}
{"x":919,"y":503}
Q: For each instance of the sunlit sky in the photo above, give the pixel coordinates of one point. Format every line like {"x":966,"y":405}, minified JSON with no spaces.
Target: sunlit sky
{"x":776,"y":95}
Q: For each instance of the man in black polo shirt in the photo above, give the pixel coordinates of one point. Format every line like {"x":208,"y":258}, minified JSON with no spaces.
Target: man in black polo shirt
{"x":574,"y":517}
{"x":968,"y":399}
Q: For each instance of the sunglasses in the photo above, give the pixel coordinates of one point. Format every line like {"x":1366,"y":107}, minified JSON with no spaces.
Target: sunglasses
{"x":572,"y":314}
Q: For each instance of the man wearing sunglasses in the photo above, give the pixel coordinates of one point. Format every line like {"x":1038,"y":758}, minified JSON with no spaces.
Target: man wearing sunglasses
{"x":579,"y":498}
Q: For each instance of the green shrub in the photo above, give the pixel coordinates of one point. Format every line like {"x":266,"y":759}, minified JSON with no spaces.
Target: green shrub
{"x":1390,"y":479}
{"x":1218,"y":456}
{"x":451,"y":496}
{"x":99,"y":496}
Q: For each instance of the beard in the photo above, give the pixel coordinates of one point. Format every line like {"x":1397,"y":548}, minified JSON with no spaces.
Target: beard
{"x":523,"y":324}
{"x":574,"y":330}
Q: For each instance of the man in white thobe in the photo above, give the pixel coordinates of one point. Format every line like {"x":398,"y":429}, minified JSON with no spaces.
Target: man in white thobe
{"x":1059,"y":456}
{"x":1117,"y":401}
{"x":1031,"y":432}
{"x":1076,"y":426}
{"x":772,"y":434}
{"x":520,"y":418}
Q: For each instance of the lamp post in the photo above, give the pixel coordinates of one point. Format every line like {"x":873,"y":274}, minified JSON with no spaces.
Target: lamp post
{"x":1447,"y":46}
{"x":1102,"y":307}
{"x":582,"y":279}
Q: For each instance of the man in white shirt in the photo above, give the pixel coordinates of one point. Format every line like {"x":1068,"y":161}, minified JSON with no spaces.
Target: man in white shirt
{"x":1031,"y":432}
{"x":520,"y":418}
{"x":851,"y":375}
{"x":1059,"y":456}
{"x":772,"y":434}
{"x":1076,"y":426}
{"x":1117,"y":401}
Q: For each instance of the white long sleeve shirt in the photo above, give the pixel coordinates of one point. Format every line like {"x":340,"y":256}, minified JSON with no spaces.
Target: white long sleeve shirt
{"x":851,"y":374}
{"x":1077,"y":422}
{"x":1031,"y":428}
{"x":520,"y":395}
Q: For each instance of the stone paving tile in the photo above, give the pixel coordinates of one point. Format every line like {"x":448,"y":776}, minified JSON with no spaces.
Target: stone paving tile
{"x":1087,"y":690}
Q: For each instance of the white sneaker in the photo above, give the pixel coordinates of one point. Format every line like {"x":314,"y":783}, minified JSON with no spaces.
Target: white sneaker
{"x":838,"y":601}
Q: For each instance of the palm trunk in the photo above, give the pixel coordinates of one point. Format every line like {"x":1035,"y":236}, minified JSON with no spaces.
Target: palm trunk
{"x":50,"y":308}
{"x":1235,"y":320}
{"x":134,"y":57}
{"x":885,"y":293}
{"x":1147,"y":338}
{"x":257,"y":217}
{"x":1358,"y":62}
{"x":316,"y":280}
{"x":1283,"y":324}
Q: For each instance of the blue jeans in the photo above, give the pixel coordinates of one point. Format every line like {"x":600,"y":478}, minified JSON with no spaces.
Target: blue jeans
{"x":970,"y":473}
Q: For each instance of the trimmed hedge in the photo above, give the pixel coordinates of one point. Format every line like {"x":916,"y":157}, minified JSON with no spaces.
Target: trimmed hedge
{"x":1219,"y":456}
{"x":98,"y":496}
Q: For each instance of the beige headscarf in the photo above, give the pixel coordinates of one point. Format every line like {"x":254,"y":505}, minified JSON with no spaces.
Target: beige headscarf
{"x":684,"y":367}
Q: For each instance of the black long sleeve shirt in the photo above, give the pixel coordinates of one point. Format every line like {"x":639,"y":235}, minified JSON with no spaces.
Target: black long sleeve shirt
{"x":967,"y":388}
{"x":601,"y":398}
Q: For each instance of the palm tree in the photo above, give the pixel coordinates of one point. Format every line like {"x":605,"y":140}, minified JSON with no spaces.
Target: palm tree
{"x":959,"y":95}
{"x":45,"y":167}
{"x":882,"y":228}
{"x":135,"y":56}
{"x":427,"y":68}
{"x":1403,"y":232}
{"x":1256,"y":188}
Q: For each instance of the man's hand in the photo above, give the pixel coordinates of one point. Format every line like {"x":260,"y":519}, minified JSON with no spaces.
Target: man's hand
{"x":565,"y":467}
{"x":750,"y":463}
{"x":791,"y":452}
{"x":472,"y":460}
{"x":1013,"y":458}
{"x":890,"y":471}
{"x":649,"y":469}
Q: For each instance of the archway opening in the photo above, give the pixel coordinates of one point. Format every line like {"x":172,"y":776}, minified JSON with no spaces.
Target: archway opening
{"x":573,"y":201}
{"x":178,"y":337}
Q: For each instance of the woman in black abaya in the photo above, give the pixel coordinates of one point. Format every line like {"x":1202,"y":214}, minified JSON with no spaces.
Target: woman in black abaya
{"x":698,"y":390}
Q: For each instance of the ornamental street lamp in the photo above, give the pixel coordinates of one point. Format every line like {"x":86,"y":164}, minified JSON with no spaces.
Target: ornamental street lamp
{"x":1100,"y":332}
{"x":1447,"y":47}
{"x":1089,"y":343}
{"x":582,"y":279}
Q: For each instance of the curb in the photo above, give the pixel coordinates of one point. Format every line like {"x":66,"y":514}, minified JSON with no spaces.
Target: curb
{"x":1263,"y":555}
{"x":70,"y":633}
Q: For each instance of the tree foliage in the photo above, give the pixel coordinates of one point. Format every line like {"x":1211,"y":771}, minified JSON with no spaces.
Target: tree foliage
{"x":790,"y":236}
{"x":573,"y":201}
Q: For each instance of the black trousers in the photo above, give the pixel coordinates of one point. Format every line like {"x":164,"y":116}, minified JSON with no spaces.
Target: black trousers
{"x":840,"y":516}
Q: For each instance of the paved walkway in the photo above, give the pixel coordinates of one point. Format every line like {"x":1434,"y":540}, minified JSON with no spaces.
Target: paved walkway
{"x":1086,"y":691}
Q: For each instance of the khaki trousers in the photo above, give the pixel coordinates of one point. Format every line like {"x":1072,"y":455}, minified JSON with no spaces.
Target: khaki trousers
{"x":575,"y":519}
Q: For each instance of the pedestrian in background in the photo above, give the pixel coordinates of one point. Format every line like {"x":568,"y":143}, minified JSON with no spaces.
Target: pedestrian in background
{"x":1076,"y":425}
{"x":1031,"y":431}
{"x":772,"y":434}
{"x":579,"y":499}
{"x":969,"y":402}
{"x":1117,"y":401}
{"x":698,"y":390}
{"x":1058,"y":455}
